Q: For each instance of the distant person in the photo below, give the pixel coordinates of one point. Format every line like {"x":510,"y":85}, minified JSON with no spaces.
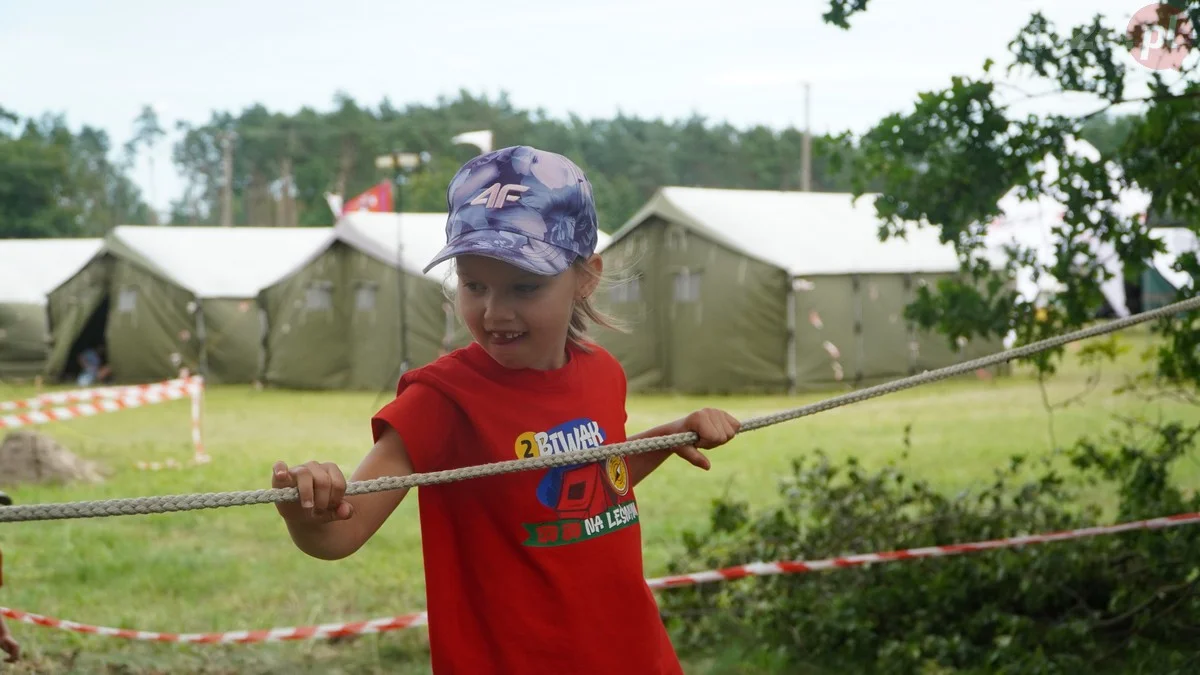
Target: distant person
{"x":93,"y":367}
{"x":534,"y":571}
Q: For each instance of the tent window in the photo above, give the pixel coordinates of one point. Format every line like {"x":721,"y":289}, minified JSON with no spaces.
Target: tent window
{"x":630,"y":291}
{"x":319,"y":296}
{"x":687,"y":286}
{"x":127,"y":300}
{"x":676,"y":238}
{"x":364,"y":297}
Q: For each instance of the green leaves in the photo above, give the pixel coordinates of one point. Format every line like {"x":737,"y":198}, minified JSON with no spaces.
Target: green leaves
{"x":959,"y":160}
{"x":55,"y":183}
{"x":1095,"y":604}
{"x":1085,"y":61}
{"x":840,"y":11}
{"x":1058,"y":607}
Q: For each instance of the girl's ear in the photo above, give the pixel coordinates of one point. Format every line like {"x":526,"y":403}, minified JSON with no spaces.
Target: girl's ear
{"x":589,"y":277}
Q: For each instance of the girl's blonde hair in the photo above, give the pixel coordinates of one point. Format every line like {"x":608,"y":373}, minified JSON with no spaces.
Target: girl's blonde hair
{"x":584,"y":309}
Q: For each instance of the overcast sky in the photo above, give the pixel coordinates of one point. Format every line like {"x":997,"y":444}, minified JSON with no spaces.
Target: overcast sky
{"x":739,"y":61}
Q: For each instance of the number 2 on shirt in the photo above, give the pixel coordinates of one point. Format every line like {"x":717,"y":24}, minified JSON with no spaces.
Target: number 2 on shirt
{"x":527,"y":446}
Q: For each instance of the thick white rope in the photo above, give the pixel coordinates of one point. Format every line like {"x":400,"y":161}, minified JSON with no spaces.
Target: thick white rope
{"x":212,"y":500}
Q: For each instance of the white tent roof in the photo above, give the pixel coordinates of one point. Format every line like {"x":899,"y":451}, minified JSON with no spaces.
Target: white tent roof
{"x":802,"y":232}
{"x":418,"y":236}
{"x":603,"y":239}
{"x":31,"y":268}
{"x":380,"y":235}
{"x":223,"y":262}
{"x":1178,"y":240}
{"x":1029,"y":224}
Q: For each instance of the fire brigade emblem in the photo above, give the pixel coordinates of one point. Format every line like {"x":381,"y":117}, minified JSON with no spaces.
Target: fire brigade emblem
{"x":618,"y":474}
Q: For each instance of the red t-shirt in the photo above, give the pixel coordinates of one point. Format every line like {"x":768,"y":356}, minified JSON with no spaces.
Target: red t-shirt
{"x":533,"y":571}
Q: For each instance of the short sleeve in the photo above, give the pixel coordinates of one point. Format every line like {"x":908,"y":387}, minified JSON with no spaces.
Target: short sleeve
{"x":425,"y":420}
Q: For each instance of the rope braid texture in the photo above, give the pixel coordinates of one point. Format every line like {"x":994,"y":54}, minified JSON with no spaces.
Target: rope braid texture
{"x":213,"y":500}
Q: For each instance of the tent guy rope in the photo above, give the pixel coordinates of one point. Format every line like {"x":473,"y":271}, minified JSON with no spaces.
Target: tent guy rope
{"x":212,"y":500}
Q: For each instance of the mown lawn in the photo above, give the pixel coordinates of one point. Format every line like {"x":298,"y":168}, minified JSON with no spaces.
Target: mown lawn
{"x":232,"y":569}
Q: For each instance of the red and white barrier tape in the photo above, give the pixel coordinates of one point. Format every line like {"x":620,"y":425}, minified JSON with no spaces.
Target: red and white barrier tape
{"x":83,"y":395}
{"x":199,"y":456}
{"x":90,"y":402}
{"x":801,"y":566}
{"x":416,"y":619}
{"x":329,"y":630}
{"x":94,"y":407}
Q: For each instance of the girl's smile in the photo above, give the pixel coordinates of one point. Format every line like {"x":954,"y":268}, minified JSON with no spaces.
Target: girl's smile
{"x":520,"y":318}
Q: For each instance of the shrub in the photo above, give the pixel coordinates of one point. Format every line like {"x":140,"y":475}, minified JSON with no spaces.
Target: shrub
{"x":1118,"y":601}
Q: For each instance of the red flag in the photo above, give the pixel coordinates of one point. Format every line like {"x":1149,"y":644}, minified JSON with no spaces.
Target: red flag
{"x":378,"y":198}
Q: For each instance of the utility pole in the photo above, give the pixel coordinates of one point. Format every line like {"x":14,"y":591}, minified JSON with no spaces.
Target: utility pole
{"x":401,"y":163}
{"x":286,"y":213}
{"x":227,"y":186}
{"x":153,"y":213}
{"x":293,"y":219}
{"x":345,"y":163}
{"x":806,"y":148}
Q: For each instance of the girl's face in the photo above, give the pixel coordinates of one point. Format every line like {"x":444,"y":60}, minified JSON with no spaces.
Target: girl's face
{"x":520,"y":318}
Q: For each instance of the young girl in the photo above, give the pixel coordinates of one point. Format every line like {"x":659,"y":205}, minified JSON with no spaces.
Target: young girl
{"x":533,"y":571}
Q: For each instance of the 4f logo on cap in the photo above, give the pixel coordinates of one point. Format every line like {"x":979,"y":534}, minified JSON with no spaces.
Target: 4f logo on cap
{"x":497,"y":195}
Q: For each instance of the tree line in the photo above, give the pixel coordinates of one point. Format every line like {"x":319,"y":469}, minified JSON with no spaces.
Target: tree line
{"x":59,"y":183}
{"x":282,"y":165}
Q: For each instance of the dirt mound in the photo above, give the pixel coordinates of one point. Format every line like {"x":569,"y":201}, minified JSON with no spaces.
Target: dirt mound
{"x":30,"y":457}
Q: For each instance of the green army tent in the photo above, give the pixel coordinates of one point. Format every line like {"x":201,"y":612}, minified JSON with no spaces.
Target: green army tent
{"x":746,"y":290}
{"x":335,"y":322}
{"x":360,"y":309}
{"x":163,"y":298}
{"x":29,"y":270}
{"x":1160,"y":282}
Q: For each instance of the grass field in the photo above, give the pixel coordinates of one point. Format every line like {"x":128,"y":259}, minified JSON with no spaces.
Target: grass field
{"x":231,"y":569}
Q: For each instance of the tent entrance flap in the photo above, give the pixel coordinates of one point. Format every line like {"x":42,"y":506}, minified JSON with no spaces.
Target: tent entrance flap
{"x":84,"y":324}
{"x":91,"y":335}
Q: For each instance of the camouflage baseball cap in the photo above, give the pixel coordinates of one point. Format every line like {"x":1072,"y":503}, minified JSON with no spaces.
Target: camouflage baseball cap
{"x":521,"y":205}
